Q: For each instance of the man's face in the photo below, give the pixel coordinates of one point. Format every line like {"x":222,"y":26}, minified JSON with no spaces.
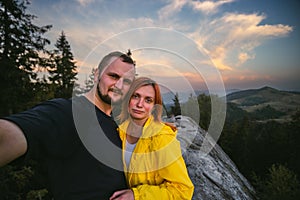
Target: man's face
{"x":114,"y":82}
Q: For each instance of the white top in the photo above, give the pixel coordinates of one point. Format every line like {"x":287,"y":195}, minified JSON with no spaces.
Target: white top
{"x":128,"y":152}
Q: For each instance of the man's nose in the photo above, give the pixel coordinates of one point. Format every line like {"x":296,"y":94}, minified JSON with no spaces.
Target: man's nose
{"x":119,"y":83}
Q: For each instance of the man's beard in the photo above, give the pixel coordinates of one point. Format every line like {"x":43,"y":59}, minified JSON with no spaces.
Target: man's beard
{"x":107,"y":99}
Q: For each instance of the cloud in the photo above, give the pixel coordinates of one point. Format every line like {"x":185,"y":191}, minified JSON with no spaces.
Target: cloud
{"x":243,"y":57}
{"x":85,"y":2}
{"x":230,"y":40}
{"x":248,"y":26}
{"x":206,"y":7}
{"x":130,"y":23}
{"x":172,"y":8}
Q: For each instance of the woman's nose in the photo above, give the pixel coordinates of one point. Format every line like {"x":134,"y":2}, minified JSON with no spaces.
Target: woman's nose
{"x":140,"y":103}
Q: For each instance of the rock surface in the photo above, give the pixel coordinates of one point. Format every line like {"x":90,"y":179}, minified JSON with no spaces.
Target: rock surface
{"x":213,"y":173}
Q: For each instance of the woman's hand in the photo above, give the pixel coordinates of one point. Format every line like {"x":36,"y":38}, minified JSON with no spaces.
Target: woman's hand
{"x":122,"y":195}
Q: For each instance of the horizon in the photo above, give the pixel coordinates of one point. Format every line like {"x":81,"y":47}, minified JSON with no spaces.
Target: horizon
{"x":231,"y":90}
{"x":184,"y":95}
{"x":231,"y":44}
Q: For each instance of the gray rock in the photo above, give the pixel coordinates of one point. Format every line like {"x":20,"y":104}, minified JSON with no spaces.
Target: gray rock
{"x":213,"y":173}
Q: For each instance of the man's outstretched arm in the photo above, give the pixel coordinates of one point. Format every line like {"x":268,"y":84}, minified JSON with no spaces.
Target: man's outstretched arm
{"x":13,"y":143}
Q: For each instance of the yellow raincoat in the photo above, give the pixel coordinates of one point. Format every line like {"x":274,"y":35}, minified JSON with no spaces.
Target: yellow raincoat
{"x":157,"y":169}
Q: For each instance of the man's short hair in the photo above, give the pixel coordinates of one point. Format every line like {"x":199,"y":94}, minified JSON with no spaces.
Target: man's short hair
{"x":109,"y":58}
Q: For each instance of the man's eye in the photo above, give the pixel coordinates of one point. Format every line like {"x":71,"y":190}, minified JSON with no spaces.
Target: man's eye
{"x":127,"y":81}
{"x":114,"y":76}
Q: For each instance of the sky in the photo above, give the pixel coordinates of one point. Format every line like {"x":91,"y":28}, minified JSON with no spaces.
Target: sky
{"x":185,"y":45}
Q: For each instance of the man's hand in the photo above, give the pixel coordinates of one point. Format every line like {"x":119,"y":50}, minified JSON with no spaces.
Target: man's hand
{"x":122,"y":195}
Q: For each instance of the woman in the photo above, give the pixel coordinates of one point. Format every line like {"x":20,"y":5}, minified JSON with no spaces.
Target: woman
{"x":152,"y":157}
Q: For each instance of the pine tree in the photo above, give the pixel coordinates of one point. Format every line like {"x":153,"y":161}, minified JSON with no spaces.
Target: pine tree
{"x":204,"y":103}
{"x":89,"y":83}
{"x":281,"y":183}
{"x":190,"y":108}
{"x":63,"y":73}
{"x":176,"y":109}
{"x":20,"y":44}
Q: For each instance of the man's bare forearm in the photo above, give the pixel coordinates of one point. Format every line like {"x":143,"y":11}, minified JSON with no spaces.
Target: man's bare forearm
{"x":12,"y":142}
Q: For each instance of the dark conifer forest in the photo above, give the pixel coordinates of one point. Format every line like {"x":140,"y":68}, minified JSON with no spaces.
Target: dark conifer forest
{"x":261,"y":132}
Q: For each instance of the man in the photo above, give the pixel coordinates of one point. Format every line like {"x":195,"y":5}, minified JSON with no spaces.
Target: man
{"x":61,"y":135}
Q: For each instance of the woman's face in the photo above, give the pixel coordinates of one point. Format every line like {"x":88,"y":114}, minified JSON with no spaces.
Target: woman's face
{"x":141,"y":104}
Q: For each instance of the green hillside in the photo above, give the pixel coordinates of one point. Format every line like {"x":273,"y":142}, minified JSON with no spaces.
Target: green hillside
{"x":266,"y":103}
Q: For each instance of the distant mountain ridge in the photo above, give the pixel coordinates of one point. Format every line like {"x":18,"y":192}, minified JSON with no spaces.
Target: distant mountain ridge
{"x":184,"y":96}
{"x":254,"y":100}
{"x":264,"y":103}
{"x":265,"y":92}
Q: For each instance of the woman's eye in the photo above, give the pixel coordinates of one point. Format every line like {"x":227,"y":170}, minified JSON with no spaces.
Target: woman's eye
{"x":149,"y":100}
{"x":134,"y":96}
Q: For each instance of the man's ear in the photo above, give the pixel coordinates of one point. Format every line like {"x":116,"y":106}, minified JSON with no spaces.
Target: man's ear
{"x":96,"y":75}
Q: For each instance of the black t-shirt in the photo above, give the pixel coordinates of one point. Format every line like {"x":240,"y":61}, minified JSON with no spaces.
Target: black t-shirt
{"x":65,"y":138}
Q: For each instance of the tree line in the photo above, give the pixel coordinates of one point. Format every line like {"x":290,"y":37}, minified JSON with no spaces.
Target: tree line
{"x":30,"y":73}
{"x":266,"y":153}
